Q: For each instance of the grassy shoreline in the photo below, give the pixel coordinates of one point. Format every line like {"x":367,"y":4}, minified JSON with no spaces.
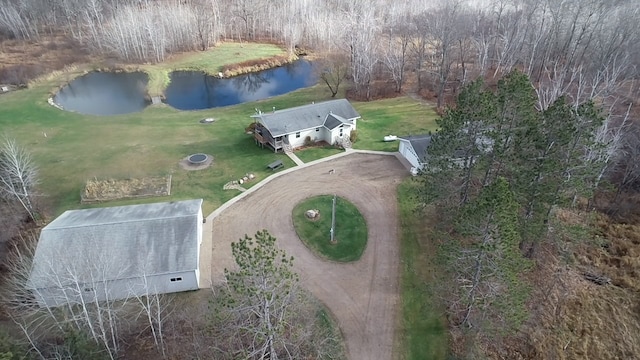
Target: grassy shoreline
{"x":214,"y":61}
{"x":223,"y":58}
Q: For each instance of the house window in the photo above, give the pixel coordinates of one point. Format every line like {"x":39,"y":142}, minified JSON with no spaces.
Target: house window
{"x":317,"y":129}
{"x":297,"y":135}
{"x":176,"y":279}
{"x":341,"y":132}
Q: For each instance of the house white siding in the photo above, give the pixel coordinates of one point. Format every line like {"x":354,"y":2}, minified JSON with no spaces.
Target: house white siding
{"x":321,"y":134}
{"x":336,"y":135}
{"x":299,"y":141}
{"x":406,"y":150}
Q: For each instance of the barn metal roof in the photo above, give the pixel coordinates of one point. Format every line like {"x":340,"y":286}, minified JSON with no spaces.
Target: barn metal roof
{"x":329,"y":114}
{"x":118,"y":242}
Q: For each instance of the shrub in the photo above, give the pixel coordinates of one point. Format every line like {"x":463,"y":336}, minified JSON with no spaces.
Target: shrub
{"x":308,"y":141}
{"x":353,"y":136}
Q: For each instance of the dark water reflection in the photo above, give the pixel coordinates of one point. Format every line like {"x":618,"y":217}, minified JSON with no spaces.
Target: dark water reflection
{"x":105,"y":93}
{"x":193,"y":90}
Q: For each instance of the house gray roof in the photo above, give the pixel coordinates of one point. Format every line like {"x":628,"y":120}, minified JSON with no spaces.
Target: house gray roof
{"x":333,"y":121}
{"x":419,"y":143}
{"x":118,"y":242}
{"x":329,"y":114}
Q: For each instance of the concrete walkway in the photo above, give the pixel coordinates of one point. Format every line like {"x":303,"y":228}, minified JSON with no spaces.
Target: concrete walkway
{"x":295,"y":159}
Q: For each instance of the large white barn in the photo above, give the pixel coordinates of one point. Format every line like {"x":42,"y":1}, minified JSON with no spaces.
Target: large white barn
{"x":329,"y":121}
{"x":118,"y":252}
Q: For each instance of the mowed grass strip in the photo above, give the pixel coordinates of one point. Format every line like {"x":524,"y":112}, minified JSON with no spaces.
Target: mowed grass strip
{"x":316,"y":153}
{"x":350,"y":230}
{"x":423,"y":333}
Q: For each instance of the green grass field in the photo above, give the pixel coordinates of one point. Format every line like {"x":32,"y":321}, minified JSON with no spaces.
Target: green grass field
{"x":315,"y":153}
{"x":350,"y":228}
{"x":398,"y":116}
{"x":78,"y":147}
{"x":423,"y":335}
{"x":150,"y":143}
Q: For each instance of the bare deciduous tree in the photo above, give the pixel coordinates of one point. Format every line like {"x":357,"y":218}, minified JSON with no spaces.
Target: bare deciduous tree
{"x":333,"y":69}
{"x":360,"y":40}
{"x":443,"y":36}
{"x":48,"y":301}
{"x":155,"y":308}
{"x":395,"y":53}
{"x":18,"y":175}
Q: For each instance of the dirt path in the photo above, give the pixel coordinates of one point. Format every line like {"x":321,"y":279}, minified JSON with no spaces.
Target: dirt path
{"x":362,"y":295}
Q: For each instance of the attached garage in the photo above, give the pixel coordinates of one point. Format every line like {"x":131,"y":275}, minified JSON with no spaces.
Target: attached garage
{"x":118,"y":252}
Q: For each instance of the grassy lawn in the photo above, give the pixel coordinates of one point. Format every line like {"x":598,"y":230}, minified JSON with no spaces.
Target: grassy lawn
{"x":398,"y":116}
{"x":350,"y":230}
{"x":78,"y":147}
{"x":149,"y":143}
{"x":315,"y":153}
{"x":423,"y":334}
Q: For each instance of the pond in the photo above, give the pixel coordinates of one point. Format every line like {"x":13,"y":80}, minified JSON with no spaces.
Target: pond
{"x":105,"y":93}
{"x":193,"y":90}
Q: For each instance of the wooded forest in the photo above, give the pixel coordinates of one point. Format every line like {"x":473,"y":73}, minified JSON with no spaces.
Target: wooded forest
{"x":539,"y":122}
{"x":585,"y":49}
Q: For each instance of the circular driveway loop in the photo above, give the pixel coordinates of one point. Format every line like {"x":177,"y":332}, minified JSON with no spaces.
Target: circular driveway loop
{"x":362,"y":295}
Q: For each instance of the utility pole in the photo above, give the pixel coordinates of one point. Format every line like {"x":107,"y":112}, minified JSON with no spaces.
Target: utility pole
{"x":333,"y":220}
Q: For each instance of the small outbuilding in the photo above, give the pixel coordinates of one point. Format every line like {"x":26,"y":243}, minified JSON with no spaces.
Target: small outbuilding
{"x":118,"y":252}
{"x":414,"y":149}
{"x":329,"y":121}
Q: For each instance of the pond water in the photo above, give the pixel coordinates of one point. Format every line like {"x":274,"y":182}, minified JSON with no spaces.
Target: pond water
{"x":193,"y":90}
{"x":105,"y":93}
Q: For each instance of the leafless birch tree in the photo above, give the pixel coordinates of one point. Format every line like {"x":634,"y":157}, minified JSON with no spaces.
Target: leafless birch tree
{"x":18,"y":175}
{"x":46,"y":303}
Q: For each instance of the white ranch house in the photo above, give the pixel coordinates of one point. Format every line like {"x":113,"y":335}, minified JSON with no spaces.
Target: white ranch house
{"x":118,"y":252}
{"x":329,"y":121}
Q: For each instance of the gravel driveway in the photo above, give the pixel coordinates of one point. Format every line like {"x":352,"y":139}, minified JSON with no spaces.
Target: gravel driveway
{"x":363,"y":295}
